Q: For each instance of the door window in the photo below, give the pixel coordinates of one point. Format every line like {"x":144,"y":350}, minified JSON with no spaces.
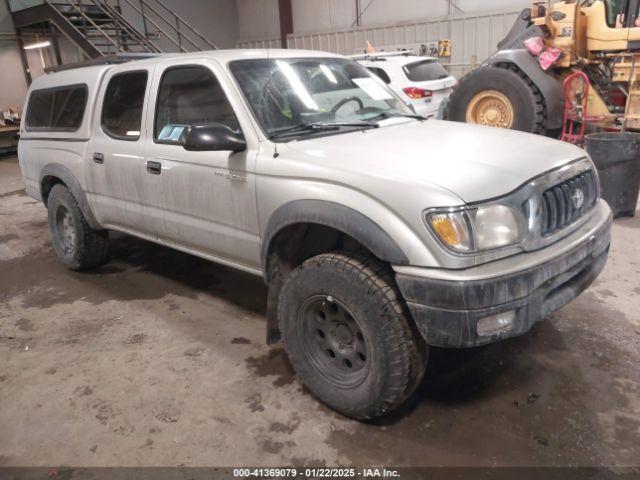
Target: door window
{"x":635,"y":19}
{"x":122,"y":108}
{"x":616,"y":13}
{"x":190,"y":96}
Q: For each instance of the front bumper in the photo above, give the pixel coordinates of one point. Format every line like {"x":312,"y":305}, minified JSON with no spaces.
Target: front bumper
{"x":448,"y":304}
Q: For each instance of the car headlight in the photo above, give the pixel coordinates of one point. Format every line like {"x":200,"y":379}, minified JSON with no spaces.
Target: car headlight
{"x":476,"y":229}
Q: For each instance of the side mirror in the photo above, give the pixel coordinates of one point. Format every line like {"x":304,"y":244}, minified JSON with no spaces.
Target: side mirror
{"x":213,"y":137}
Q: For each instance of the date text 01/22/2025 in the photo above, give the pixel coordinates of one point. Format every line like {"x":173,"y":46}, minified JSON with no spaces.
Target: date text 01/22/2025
{"x":315,"y":473}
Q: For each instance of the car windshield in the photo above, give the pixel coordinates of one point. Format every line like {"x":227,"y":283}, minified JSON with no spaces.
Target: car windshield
{"x":285,"y":94}
{"x":425,"y":70}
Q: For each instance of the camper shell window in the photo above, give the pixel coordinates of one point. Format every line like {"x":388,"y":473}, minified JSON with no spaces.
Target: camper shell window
{"x":59,"y":109}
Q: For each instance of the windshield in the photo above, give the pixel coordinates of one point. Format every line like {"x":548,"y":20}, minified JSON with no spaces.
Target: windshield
{"x":285,"y":93}
{"x":425,"y":71}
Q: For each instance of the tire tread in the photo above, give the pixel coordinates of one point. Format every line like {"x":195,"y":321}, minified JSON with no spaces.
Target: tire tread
{"x":408,"y":363}
{"x":92,"y":249}
{"x":540,"y":120}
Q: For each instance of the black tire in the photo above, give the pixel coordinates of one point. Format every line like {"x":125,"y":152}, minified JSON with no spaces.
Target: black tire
{"x":378,"y":356}
{"x":528,"y":103}
{"x":77,"y":245}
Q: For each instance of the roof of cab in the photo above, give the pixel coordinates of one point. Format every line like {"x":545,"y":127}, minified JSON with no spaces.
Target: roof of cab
{"x":91,"y":74}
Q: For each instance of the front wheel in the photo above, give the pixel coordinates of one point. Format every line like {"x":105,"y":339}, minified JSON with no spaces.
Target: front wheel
{"x":348,"y":335}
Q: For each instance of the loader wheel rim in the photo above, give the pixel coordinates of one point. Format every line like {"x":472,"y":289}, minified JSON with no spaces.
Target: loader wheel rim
{"x":491,"y":108}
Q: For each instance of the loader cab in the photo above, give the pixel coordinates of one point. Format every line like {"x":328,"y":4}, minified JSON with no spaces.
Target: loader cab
{"x":633,"y":24}
{"x":612,"y":25}
{"x":616,"y":11}
{"x":622,"y":13}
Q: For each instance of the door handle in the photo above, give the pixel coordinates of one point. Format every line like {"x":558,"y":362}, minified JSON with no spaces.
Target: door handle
{"x":154,"y":168}
{"x":98,"y":158}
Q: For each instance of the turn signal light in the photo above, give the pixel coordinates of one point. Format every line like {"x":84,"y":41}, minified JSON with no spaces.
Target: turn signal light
{"x":417,"y":93}
{"x":453,"y":230}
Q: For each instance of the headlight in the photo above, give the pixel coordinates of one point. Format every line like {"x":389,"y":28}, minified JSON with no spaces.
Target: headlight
{"x":476,"y":229}
{"x":495,"y":227}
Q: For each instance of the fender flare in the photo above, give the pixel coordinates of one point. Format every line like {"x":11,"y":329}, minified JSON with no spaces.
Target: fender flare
{"x":337,"y":216}
{"x":550,"y":87}
{"x":65,"y":176}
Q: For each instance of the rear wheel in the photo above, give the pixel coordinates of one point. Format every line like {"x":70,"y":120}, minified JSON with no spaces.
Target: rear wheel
{"x":348,"y":334}
{"x":77,"y":245}
{"x":499,"y":97}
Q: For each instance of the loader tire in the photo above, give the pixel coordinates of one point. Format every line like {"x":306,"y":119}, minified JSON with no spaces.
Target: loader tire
{"x":499,"y":96}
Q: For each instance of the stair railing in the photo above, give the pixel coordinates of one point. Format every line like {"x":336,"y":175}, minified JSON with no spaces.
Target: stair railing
{"x":173,"y":27}
{"x":181,"y":21}
{"x":127,"y":28}
{"x":181,"y":30}
{"x":147,"y":18}
{"x":95,"y":25}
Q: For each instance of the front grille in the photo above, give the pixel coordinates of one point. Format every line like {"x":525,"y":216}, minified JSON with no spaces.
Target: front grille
{"x":564,"y":203}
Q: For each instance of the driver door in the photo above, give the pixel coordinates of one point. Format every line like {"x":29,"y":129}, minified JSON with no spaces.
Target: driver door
{"x":203,"y":202}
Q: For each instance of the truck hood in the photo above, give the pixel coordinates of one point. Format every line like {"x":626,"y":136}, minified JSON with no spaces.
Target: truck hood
{"x":475,"y":163}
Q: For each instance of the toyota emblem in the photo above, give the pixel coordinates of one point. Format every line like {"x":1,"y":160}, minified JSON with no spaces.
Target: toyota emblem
{"x":578,"y":198}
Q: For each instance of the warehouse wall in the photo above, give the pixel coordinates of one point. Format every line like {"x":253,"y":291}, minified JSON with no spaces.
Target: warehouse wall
{"x":473,"y":34}
{"x":216,"y":20}
{"x":258,"y":19}
{"x":14,"y":85}
{"x":317,"y":15}
{"x":473,"y":38}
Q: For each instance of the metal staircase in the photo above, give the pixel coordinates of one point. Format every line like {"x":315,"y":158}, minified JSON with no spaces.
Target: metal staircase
{"x":102,"y":28}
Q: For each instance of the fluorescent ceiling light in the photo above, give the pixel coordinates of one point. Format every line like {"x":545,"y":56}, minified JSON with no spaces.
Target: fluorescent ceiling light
{"x":33,"y":46}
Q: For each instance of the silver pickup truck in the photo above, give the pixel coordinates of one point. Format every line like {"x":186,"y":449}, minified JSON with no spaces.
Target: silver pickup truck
{"x":378,"y":233}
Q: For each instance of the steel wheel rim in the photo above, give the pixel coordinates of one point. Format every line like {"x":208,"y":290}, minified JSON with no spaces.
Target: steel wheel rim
{"x":66,"y":230}
{"x":333,"y":341}
{"x":491,"y":108}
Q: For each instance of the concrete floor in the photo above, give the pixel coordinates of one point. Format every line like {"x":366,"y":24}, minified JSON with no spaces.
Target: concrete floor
{"x":158,"y":359}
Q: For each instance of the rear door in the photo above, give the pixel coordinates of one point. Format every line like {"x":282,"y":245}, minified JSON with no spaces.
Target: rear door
{"x":116,"y":151}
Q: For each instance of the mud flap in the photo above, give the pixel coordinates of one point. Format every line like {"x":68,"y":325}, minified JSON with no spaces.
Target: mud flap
{"x":275,"y":281}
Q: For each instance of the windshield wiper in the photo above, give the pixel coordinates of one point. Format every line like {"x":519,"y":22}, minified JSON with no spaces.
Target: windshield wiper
{"x":385,"y":115}
{"x":320,"y":127}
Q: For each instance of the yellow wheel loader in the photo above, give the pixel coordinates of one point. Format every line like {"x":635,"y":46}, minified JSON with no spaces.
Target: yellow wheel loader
{"x":594,"y":79}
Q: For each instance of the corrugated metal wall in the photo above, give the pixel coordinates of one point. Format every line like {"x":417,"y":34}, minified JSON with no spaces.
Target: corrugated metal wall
{"x":473,"y":37}
{"x":264,"y":43}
